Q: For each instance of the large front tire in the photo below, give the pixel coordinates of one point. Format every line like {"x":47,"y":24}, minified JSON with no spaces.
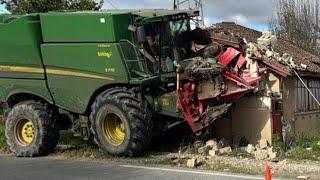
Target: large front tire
{"x":121,"y":122}
{"x":30,"y":129}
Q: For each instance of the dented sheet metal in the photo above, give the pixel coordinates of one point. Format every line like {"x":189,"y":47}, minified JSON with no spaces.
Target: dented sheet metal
{"x":224,"y":74}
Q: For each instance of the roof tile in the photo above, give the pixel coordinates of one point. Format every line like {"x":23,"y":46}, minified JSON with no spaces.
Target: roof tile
{"x":231,"y":31}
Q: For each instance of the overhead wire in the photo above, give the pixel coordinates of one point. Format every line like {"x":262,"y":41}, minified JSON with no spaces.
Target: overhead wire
{"x":111,"y":3}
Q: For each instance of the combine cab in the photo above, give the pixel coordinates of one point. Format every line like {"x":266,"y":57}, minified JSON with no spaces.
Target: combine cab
{"x":111,"y":75}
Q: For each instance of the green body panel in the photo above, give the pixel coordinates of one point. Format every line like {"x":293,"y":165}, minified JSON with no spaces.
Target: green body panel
{"x":167,"y":105}
{"x":21,"y":68}
{"x":10,"y":87}
{"x":85,"y":27}
{"x":19,"y":45}
{"x":71,"y":91}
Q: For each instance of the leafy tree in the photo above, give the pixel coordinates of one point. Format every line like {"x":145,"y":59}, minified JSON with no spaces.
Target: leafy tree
{"x":36,"y":6}
{"x":298,"y":21}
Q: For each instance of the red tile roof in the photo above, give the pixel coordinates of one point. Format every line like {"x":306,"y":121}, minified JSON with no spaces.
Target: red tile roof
{"x":230,"y":31}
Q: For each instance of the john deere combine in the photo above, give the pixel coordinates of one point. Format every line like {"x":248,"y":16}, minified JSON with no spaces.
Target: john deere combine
{"x":111,"y":76}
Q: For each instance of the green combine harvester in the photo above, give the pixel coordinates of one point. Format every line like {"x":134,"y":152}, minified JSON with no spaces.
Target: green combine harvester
{"x":114,"y":76}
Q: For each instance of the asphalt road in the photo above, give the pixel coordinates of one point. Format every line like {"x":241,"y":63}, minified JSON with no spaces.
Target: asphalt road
{"x":48,"y":168}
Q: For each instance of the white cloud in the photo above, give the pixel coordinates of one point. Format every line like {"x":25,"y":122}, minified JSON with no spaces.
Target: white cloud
{"x":135,"y":4}
{"x":207,"y":21}
{"x":240,"y":19}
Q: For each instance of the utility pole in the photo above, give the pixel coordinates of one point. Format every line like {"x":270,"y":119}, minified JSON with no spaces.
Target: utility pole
{"x":191,"y":4}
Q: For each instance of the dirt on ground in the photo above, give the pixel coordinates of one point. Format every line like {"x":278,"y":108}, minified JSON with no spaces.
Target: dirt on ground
{"x":246,"y":164}
{"x":284,"y":168}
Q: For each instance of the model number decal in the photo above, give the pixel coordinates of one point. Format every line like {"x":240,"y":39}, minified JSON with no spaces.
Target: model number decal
{"x":110,"y":70}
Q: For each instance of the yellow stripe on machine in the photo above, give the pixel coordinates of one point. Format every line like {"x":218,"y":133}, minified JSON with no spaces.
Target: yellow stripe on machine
{"x":23,"y":69}
{"x":78,"y":74}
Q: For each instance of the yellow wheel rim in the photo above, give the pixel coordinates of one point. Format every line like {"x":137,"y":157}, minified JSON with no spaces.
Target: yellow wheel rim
{"x":114,"y":129}
{"x":25,"y":132}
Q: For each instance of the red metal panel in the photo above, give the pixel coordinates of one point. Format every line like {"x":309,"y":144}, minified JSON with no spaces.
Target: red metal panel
{"x":252,"y":80}
{"x":229,"y":55}
{"x":240,"y":63}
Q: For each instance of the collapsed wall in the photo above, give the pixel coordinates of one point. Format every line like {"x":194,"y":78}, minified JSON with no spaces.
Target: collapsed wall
{"x":261,"y":66}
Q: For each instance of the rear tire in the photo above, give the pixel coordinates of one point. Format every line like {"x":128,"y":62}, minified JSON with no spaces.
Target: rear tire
{"x":121,"y":122}
{"x":30,"y":129}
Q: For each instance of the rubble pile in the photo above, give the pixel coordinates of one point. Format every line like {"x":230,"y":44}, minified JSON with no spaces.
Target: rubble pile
{"x":300,"y":56}
{"x":204,"y":152}
{"x":230,"y":31}
{"x":262,"y":150}
{"x":264,"y":49}
{"x":214,"y":147}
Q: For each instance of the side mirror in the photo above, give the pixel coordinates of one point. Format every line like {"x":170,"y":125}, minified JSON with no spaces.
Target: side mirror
{"x":141,"y":34}
{"x":132,"y":28}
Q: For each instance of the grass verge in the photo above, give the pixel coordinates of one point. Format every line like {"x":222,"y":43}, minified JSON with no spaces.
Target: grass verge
{"x":2,"y":136}
{"x":305,"y":147}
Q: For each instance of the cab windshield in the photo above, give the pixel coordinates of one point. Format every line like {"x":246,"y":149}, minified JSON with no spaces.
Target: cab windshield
{"x":168,"y":42}
{"x":174,"y":37}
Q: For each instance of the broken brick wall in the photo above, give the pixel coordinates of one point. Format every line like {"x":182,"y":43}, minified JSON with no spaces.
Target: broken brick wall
{"x":252,"y":119}
{"x":273,"y":85}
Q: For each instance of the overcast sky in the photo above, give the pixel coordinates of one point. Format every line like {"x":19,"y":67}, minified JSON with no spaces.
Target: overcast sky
{"x":252,"y":13}
{"x":1,"y":8}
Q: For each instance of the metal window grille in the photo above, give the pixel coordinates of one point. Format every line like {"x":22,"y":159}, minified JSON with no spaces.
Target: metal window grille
{"x":303,"y":100}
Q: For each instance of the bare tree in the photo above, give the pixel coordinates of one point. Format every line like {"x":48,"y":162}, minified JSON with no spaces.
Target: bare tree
{"x":298,"y":21}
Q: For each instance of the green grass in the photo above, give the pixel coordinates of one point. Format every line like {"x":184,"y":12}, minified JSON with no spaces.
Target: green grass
{"x":2,"y":136}
{"x":240,"y":152}
{"x":304,"y":147}
{"x":301,"y":142}
{"x":278,"y":146}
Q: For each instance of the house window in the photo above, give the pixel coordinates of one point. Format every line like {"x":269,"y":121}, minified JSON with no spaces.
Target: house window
{"x":303,"y":100}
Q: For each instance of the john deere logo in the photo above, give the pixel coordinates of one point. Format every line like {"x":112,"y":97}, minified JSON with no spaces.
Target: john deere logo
{"x":107,"y":54}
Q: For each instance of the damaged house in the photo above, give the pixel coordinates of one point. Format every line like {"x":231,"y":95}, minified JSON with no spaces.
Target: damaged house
{"x":284,"y":103}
